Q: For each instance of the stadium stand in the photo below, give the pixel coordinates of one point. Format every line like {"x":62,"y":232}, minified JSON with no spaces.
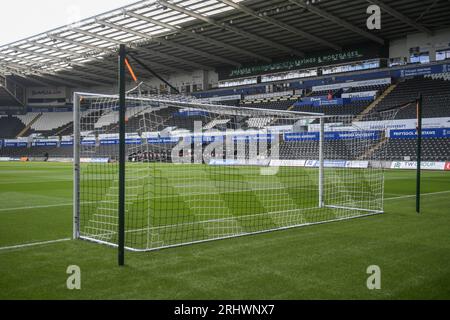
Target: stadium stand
{"x":109,"y":118}
{"x":258,"y":123}
{"x":354,"y":108}
{"x":433,"y":149}
{"x":436,"y":91}
{"x":379,"y":88}
{"x":442,"y":76}
{"x":436,"y":98}
{"x":10,"y":126}
{"x":50,"y":121}
{"x":216,"y":123}
{"x":28,"y":118}
{"x":275,"y":105}
{"x":335,"y":150}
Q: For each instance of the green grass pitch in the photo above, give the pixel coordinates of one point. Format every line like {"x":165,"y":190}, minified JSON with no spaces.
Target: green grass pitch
{"x":317,"y":262}
{"x":170,"y":205}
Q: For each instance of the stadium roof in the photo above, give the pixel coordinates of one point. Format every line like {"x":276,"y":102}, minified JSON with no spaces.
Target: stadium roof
{"x":183,"y":35}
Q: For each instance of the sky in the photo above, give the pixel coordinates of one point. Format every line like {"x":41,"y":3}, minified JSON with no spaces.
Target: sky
{"x":20,"y":19}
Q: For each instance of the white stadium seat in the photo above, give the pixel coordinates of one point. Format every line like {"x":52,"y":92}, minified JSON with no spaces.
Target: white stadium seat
{"x":52,"y":120}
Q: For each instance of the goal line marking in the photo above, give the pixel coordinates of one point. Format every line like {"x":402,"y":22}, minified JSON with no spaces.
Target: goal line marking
{"x":25,"y":245}
{"x":37,"y":207}
{"x":44,"y":206}
{"x":413,"y":195}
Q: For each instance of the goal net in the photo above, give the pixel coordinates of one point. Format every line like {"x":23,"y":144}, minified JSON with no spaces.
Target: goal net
{"x":198,"y":172}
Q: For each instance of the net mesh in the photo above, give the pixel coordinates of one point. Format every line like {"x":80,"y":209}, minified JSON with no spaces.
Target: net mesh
{"x":198,"y":172}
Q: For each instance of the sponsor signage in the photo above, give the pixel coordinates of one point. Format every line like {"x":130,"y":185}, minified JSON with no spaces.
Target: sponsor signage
{"x":302,"y":136}
{"x":47,"y":93}
{"x":63,"y":160}
{"x":109,"y":141}
{"x":291,"y":163}
{"x":88,"y":143}
{"x":426,"y":133}
{"x":94,"y":160}
{"x":309,"y":101}
{"x":423,"y":70}
{"x":334,"y":135}
{"x":258,"y":137}
{"x":134,"y":141}
{"x":209,"y":139}
{"x":353,"y":84}
{"x":191,"y":113}
{"x":357,"y":164}
{"x":346,"y":135}
{"x":162,"y":140}
{"x":326,"y":163}
{"x":412,"y":165}
{"x":223,"y":162}
{"x":202,"y":139}
{"x":287,"y":163}
{"x":332,"y":102}
{"x":233,"y":162}
{"x":50,"y":142}
{"x":365,"y":94}
{"x":45,"y":144}
{"x":225,"y":98}
{"x":15,"y":143}
{"x":268,"y":95}
{"x":447,"y":166}
{"x":392,"y":124}
{"x":315,"y":59}
{"x":324,"y":101}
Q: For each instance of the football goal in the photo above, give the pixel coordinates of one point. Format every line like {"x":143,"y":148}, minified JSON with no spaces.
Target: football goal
{"x":195,"y":171}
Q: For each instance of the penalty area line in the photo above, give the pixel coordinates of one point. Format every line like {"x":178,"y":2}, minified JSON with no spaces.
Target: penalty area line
{"x":25,"y":245}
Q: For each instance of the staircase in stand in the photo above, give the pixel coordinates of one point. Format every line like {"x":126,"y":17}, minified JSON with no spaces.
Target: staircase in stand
{"x":28,"y":127}
{"x":369,"y":153}
{"x":293,"y":106}
{"x":375,"y":103}
{"x":64,"y":131}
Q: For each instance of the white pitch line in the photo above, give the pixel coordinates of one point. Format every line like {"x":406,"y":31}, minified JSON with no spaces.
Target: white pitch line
{"x":71,"y":203}
{"x":423,"y":194}
{"x":46,"y":206}
{"x":37,"y":207}
{"x":19,"y":246}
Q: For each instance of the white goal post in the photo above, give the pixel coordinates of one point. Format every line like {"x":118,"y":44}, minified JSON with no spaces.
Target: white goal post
{"x":198,"y":172}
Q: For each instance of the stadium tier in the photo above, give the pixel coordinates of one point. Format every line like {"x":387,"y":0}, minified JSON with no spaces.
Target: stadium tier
{"x":378,"y":88}
{"x":436,"y":97}
{"x":353,"y":108}
{"x":433,"y":149}
{"x":354,"y":100}
{"x":275,"y":105}
{"x":10,"y":126}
